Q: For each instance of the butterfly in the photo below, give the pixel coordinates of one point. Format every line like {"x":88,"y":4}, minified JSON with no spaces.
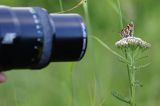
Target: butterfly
{"x":127,"y":31}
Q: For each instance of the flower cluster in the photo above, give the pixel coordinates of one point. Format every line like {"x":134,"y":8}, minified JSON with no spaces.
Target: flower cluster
{"x":132,"y":42}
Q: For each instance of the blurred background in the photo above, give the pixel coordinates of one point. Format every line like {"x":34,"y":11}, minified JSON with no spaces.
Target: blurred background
{"x":91,"y":81}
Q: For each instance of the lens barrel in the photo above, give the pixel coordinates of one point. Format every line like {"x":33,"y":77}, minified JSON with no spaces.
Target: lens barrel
{"x":32,"y":38}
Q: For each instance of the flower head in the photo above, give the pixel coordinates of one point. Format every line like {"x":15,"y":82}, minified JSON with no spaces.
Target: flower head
{"x":129,"y":41}
{"x":133,"y":42}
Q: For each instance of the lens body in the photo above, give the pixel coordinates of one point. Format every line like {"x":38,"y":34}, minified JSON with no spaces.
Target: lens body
{"x":32,"y":38}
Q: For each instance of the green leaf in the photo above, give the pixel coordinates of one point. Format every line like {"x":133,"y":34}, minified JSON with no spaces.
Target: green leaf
{"x":138,"y":83}
{"x":142,"y":66}
{"x":122,"y":61}
{"x":120,"y":97}
{"x":140,"y":58}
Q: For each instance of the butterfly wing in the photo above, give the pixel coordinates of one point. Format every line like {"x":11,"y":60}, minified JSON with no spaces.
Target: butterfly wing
{"x":128,"y":30}
{"x":131,"y":28}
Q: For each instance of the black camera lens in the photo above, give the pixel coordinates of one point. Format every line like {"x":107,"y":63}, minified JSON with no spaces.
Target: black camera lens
{"x":32,"y":38}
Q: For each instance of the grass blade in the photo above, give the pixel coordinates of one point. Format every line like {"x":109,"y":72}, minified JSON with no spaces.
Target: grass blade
{"x":120,"y":97}
{"x":109,"y":49}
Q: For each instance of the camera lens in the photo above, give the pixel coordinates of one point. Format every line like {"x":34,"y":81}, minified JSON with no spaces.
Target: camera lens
{"x":32,"y":38}
{"x":70,"y":37}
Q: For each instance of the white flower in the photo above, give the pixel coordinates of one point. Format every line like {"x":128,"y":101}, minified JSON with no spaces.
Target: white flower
{"x":132,"y":41}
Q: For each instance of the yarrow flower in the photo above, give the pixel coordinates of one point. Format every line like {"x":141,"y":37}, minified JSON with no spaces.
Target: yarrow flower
{"x":129,"y":41}
{"x":132,"y":48}
{"x":132,"y":41}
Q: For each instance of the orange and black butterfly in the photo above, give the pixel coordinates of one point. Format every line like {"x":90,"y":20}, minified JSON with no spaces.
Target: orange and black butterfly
{"x":128,"y":31}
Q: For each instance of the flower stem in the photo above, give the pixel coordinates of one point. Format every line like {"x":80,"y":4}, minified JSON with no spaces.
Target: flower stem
{"x":128,"y":71}
{"x":133,"y":91}
{"x":132,"y":76}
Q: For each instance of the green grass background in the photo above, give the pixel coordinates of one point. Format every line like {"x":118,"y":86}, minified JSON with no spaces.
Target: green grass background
{"x":91,"y":81}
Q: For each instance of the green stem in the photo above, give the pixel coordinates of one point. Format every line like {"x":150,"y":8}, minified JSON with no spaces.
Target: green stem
{"x":128,"y":71}
{"x":133,"y":100}
{"x":109,"y":49}
{"x":61,"y":5}
{"x":87,"y":18}
{"x":132,"y":77}
{"x":120,"y":13}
